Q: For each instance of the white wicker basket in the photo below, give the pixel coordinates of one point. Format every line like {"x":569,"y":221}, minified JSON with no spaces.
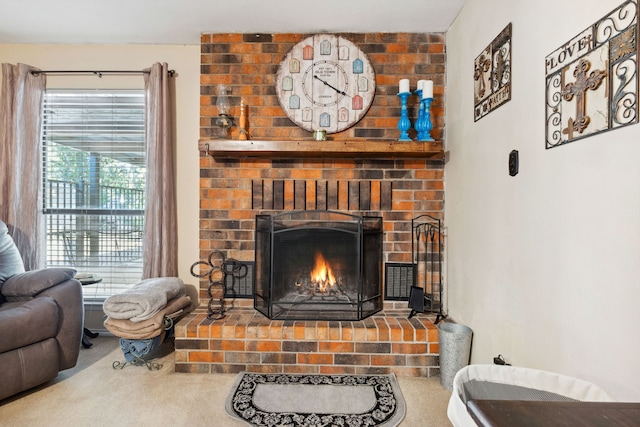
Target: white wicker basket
{"x":497,"y":382}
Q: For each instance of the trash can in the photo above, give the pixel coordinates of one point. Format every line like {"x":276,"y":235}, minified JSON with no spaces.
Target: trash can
{"x":454,"y":341}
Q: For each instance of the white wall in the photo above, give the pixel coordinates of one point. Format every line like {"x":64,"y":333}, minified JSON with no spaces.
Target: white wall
{"x":543,"y":266}
{"x":185,"y":60}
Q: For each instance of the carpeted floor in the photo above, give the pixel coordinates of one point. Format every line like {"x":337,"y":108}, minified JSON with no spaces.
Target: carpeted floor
{"x":95,"y":394}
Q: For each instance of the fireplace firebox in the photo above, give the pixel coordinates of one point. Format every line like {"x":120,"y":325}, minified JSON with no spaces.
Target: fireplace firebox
{"x":318,"y":265}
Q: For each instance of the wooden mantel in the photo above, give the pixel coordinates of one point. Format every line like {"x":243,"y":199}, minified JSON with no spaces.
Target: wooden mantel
{"x":351,"y":149}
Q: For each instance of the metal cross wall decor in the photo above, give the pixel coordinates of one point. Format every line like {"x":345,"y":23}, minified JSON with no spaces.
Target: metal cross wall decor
{"x":492,"y":75}
{"x":592,"y":80}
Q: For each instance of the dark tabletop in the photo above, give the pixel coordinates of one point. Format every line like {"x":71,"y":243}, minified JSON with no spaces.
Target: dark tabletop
{"x":533,"y":413}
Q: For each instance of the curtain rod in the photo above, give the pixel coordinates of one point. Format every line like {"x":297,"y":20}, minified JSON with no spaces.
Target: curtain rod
{"x":97,"y":73}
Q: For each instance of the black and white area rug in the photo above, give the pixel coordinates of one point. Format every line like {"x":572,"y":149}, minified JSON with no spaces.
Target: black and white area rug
{"x":299,"y":400}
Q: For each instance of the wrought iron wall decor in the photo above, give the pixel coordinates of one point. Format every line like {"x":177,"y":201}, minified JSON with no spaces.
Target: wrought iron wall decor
{"x":216,"y":268}
{"x":592,"y":80}
{"x":492,"y":75}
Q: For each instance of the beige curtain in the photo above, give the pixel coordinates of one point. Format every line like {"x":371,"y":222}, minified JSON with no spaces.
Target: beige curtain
{"x":160,"y":234}
{"x":20,"y":159}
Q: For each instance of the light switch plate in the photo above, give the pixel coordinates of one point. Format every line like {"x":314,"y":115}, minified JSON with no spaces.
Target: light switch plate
{"x":513,"y":163}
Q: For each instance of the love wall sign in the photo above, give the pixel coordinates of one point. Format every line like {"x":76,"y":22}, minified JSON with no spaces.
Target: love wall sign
{"x":592,"y":80}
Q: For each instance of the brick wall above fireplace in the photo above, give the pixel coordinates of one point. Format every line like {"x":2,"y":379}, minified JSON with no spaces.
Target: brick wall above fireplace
{"x":247,"y":64}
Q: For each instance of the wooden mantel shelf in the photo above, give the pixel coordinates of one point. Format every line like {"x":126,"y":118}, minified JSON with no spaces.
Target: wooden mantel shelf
{"x":352,"y":149}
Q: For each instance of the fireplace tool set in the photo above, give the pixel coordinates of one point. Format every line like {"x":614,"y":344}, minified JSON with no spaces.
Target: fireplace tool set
{"x":426,"y":257}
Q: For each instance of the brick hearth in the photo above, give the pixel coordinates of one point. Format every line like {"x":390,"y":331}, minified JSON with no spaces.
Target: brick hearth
{"x":245,"y":340}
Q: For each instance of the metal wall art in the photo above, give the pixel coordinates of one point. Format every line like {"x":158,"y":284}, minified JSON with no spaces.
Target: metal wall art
{"x":492,"y":75}
{"x":592,"y":80}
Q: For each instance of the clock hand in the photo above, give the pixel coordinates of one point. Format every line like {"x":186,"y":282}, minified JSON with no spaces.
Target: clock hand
{"x":327,"y":84}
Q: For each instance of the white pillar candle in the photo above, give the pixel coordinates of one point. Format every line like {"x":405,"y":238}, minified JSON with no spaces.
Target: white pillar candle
{"x":427,"y":89}
{"x":404,"y":85}
{"x":421,"y":84}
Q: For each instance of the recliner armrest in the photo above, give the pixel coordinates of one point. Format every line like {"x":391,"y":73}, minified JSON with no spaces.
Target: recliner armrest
{"x":25,"y":286}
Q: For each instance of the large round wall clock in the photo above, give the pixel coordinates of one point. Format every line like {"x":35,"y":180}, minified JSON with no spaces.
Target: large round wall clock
{"x":325,"y":82}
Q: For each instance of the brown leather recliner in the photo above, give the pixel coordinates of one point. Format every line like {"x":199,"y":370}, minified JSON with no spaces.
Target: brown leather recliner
{"x":41,"y":315}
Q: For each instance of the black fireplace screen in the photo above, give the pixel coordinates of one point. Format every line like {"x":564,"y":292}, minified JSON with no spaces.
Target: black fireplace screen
{"x":318,"y":265}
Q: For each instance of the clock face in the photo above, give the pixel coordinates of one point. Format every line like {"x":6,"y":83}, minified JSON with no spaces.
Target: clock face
{"x":325,"y":83}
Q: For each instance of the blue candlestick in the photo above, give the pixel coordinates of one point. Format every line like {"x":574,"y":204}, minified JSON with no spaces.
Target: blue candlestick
{"x":426,"y":117}
{"x":420,"y":121}
{"x":404,"y":124}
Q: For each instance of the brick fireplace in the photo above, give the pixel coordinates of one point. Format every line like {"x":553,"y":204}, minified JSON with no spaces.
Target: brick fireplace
{"x":237,"y":186}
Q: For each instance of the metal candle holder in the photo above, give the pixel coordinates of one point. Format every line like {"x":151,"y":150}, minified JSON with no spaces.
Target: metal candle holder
{"x":404,"y":124}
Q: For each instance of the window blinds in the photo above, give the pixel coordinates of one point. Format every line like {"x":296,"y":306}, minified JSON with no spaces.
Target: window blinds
{"x":94,"y":171}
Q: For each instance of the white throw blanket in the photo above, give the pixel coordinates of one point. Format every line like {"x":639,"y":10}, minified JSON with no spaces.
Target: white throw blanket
{"x":143,"y":300}
{"x":150,"y":328}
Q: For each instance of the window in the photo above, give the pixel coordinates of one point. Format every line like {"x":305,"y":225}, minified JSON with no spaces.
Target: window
{"x":94,"y":170}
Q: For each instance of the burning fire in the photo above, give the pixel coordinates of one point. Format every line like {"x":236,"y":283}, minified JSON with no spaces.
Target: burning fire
{"x":321,"y":275}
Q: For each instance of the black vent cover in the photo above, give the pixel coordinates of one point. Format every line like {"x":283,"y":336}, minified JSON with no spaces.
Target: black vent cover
{"x":398,"y":280}
{"x":239,"y":284}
